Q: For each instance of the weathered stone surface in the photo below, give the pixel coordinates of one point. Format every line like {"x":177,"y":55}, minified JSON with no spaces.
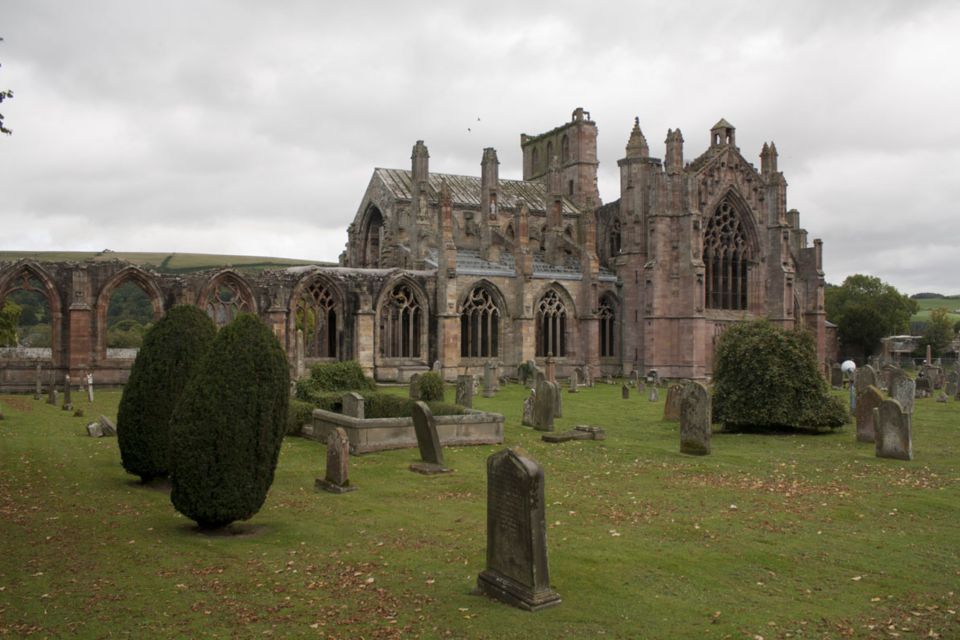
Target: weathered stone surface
{"x":903,"y":389}
{"x":634,"y":378}
{"x":893,"y":431}
{"x":94,"y":430}
{"x":866,"y":403}
{"x":353,"y":405}
{"x":696,"y":417}
{"x":489,"y":380}
{"x":337,"y":476}
{"x":865,"y":377}
{"x":544,"y":406}
{"x":654,"y":394}
{"x":414,"y":391}
{"x":67,"y":403}
{"x":465,"y":385}
{"x":953,"y":384}
{"x":836,"y":376}
{"x":529,"y":418}
{"x":551,"y":369}
{"x":107,"y":427}
{"x":671,"y":407}
{"x":579,"y":432}
{"x":853,"y":399}
{"x":300,"y":362}
{"x":52,"y":396}
{"x":557,"y":401}
{"x":517,"y":571}
{"x":89,"y":385}
{"x":431,"y":453}
{"x":574,"y":382}
{"x":923,"y":388}
{"x":625,"y":392}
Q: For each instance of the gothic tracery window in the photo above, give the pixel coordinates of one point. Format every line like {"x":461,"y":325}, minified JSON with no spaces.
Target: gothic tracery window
{"x":607,"y":322}
{"x":479,"y":325}
{"x":615,"y":238}
{"x":317,"y":316}
{"x":726,"y":252}
{"x":551,"y":326}
{"x":401,"y":319}
{"x":226,"y":301}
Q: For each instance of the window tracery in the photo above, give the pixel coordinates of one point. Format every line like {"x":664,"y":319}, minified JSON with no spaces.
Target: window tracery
{"x":727,"y":254}
{"x":551,"y":326}
{"x":317,"y":315}
{"x":479,"y":325}
{"x":401,"y":320}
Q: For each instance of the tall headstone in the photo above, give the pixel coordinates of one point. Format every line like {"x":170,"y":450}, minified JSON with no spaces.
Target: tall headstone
{"x":301,"y":360}
{"x":853,"y":399}
{"x":836,"y":376}
{"x":953,"y":384}
{"x":89,"y":387}
{"x":52,"y":395}
{"x":38,"y":390}
{"x":866,"y":403}
{"x":574,"y":381}
{"x":671,"y":407}
{"x":465,"y":391}
{"x":516,"y":571}
{"x":625,"y":392}
{"x":353,"y":405}
{"x":654,"y":394}
{"x":529,"y":419}
{"x":696,"y":417}
{"x":557,"y":400}
{"x":67,"y":404}
{"x":634,"y":378}
{"x":893,"y":431}
{"x":864,"y":377}
{"x":551,"y":369}
{"x":337,"y":478}
{"x":544,"y":406}
{"x":414,"y":391}
{"x":428,"y":440}
{"x":489,"y":380}
{"x":904,"y":390}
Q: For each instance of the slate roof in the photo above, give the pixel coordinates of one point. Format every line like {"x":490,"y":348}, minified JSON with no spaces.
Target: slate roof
{"x":465,"y":190}
{"x":469,"y":262}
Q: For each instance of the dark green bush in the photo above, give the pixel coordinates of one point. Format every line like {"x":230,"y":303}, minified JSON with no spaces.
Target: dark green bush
{"x":387,"y":405}
{"x":767,"y":377}
{"x":227,"y":428}
{"x":298,"y":414}
{"x":340,"y":376}
{"x":431,"y":387}
{"x":172,"y":349}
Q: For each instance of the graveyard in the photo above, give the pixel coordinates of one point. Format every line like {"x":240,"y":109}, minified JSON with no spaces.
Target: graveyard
{"x":771,"y":535}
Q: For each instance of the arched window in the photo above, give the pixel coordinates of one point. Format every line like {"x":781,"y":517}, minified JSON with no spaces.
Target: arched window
{"x":607,"y":322}
{"x":400,"y":322}
{"x":479,"y":326}
{"x":35,"y":322}
{"x":726,"y":252}
{"x":225,"y":300}
{"x":565,"y":148}
{"x":549,"y":154}
{"x":551,"y":326}
{"x":534,"y":160}
{"x":317,"y":316}
{"x":370,"y":256}
{"x":615,"y":238}
{"x":129,"y":315}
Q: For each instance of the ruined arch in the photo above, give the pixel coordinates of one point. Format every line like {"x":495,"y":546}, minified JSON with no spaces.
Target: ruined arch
{"x":316,"y":307}
{"x":554,"y":318}
{"x":402,"y":320}
{"x":371,"y":237}
{"x":132,"y":274}
{"x":225,"y":295}
{"x":29,"y":276}
{"x":730,"y":248}
{"x":481,"y":310}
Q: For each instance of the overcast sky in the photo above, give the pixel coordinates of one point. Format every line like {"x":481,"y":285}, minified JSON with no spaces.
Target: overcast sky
{"x":248,"y":127}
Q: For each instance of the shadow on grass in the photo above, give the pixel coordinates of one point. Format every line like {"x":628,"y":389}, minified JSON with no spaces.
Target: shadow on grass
{"x":233,"y":530}
{"x":157,"y":484}
{"x":776,"y":430}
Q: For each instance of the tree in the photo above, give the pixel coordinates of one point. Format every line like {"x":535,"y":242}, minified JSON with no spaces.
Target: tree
{"x":9,"y":322}
{"x":171,"y":353}
{"x":865,"y":309}
{"x":939,"y":332}
{"x":228,"y":426}
{"x":765,"y":376}
{"x":4,"y":94}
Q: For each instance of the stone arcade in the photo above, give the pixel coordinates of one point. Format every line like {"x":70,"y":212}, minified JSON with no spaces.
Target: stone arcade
{"x":463,"y":271}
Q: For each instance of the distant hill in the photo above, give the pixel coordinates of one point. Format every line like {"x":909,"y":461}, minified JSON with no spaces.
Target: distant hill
{"x":163,"y":262}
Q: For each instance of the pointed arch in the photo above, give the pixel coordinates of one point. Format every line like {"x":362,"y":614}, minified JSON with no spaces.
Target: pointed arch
{"x":130,"y":273}
{"x":226,"y":295}
{"x":402,"y":314}
{"x":371,"y":237}
{"x":607,"y":312}
{"x":730,"y":246}
{"x":316,"y":308}
{"x":553,"y":314}
{"x":565,"y":148}
{"x":29,"y":276}
{"x":481,"y":312}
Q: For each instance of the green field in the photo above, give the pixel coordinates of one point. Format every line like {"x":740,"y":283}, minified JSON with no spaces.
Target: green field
{"x":926,"y":305}
{"x":771,"y":536}
{"x":162,"y":262}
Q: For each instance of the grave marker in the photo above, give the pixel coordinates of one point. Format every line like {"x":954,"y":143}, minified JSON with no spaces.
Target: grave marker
{"x":695,"y":419}
{"x":336,"y":479}
{"x":893,"y":431}
{"x":465,"y":391}
{"x":431,"y":453}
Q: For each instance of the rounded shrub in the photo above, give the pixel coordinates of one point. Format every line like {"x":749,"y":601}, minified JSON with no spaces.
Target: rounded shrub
{"x":228,"y":426}
{"x":767,"y":377}
{"x":171,"y":351}
{"x":431,"y":387}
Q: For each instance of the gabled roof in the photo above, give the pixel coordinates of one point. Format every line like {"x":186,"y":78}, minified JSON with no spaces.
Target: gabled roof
{"x":465,"y":190}
{"x":722,"y":124}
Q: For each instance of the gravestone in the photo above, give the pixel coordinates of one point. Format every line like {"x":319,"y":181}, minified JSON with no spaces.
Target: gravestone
{"x":465,"y":391}
{"x":38,"y":391}
{"x":67,"y":404}
{"x":653,"y":377}
{"x":428,"y":440}
{"x":336,"y":478}
{"x":887,"y":372}
{"x":625,"y":392}
{"x":904,"y":390}
{"x":489,"y":381}
{"x":634,"y":378}
{"x":836,"y":376}
{"x":516,"y":571}
{"x":922,"y":387}
{"x":557,"y":401}
{"x":864,"y":377}
{"x":574,"y":378}
{"x":436,"y":366}
{"x":107,"y":427}
{"x":300,"y":366}
{"x":853,"y":399}
{"x":654,"y":394}
{"x":89,"y":381}
{"x":544,"y":406}
{"x":671,"y":407}
{"x":414,"y":391}
{"x":953,"y":384}
{"x":866,"y":403}
{"x":52,"y":395}
{"x":893,"y":431}
{"x":695,"y":419}
{"x":529,"y":402}
{"x":353,"y":405}
{"x":94,"y":430}
{"x":579,"y":432}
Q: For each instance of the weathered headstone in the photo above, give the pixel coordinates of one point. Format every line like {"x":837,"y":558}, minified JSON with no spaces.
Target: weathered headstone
{"x":574,"y":382}
{"x":893,"y":431}
{"x":579,"y":432}
{"x":557,"y":401}
{"x":516,"y":571}
{"x":671,"y":406}
{"x":107,"y":427}
{"x":414,"y":391}
{"x":904,"y":390}
{"x":428,"y":440}
{"x":94,"y":430}
{"x":465,"y":391}
{"x":953,"y":384}
{"x":436,"y":366}
{"x":625,"y":392}
{"x":489,"y":381}
{"x":654,"y":394}
{"x":89,"y":387}
{"x":634,"y":377}
{"x":52,"y":395}
{"x":300,"y":366}
{"x":696,"y":417}
{"x":38,"y":391}
{"x":529,"y":419}
{"x":544,"y":406}
{"x":353,"y":405}
{"x":551,"y":369}
{"x":922,"y":387}
{"x":853,"y":399}
{"x":836,"y":376}
{"x":864,"y":377}
{"x":336,"y":478}
{"x":67,"y":404}
{"x":866,"y":403}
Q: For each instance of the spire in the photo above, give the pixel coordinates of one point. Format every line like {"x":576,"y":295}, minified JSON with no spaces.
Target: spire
{"x":637,"y":145}
{"x":768,"y":158}
{"x":420,"y":162}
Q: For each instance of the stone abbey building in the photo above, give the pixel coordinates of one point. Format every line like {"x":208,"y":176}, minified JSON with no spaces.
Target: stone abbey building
{"x":462,"y":270}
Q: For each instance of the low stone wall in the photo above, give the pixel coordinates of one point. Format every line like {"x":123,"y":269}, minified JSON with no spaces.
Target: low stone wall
{"x":379,"y":434}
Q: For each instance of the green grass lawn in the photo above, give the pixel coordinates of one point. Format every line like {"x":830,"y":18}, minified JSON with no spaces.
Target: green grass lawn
{"x":771,"y":536}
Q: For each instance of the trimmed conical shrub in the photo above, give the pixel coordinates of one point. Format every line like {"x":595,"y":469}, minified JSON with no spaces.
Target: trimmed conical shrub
{"x":171,"y":351}
{"x":227,"y":429}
